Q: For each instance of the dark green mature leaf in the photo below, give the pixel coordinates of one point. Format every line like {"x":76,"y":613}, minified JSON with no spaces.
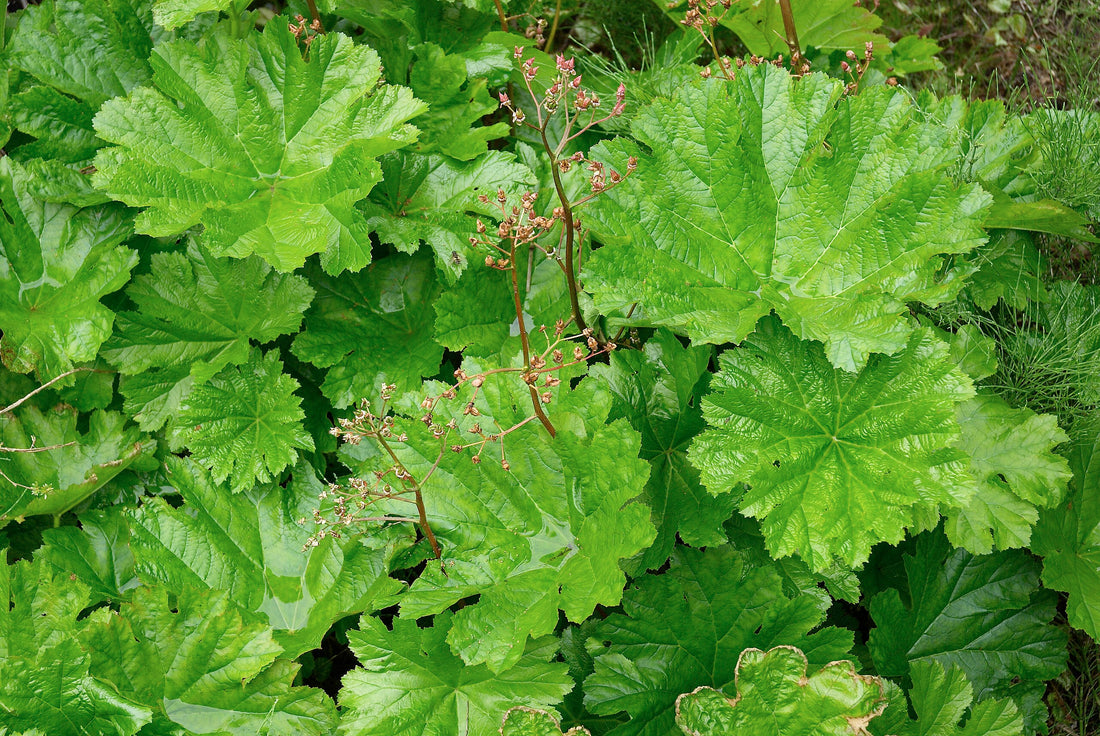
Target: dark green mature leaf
{"x":658,"y":390}
{"x":245,"y":423}
{"x":776,"y":697}
{"x":940,"y":698}
{"x":760,"y":195}
{"x":268,"y":151}
{"x":454,"y":104}
{"x":56,"y":262}
{"x":97,"y":552}
{"x":1012,"y":458}
{"x":397,"y":28}
{"x":77,"y":465}
{"x":204,"y":665}
{"x":476,"y":314}
{"x":195,"y":315}
{"x":252,"y":546}
{"x":45,"y":678}
{"x":62,"y":125}
{"x":373,"y":328}
{"x":985,"y":615}
{"x":1068,"y":536}
{"x":549,"y":533}
{"x":835,"y":462}
{"x":427,"y":198}
{"x":685,"y":629}
{"x":92,"y":50}
{"x":411,"y":684}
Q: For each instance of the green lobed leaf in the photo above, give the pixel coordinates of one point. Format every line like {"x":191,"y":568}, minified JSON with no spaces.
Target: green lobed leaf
{"x":1010,"y":267}
{"x":761,"y":195}
{"x":985,"y":615}
{"x":455,"y":102}
{"x":266,"y":150}
{"x":659,"y":390}
{"x":175,"y":13}
{"x":834,"y":462}
{"x":251,"y":545}
{"x":373,"y":328}
{"x":551,"y":531}
{"x":195,"y":315}
{"x":203,"y":665}
{"x":97,"y":553}
{"x":1068,"y":536}
{"x":476,"y":314}
{"x":427,"y":199}
{"x":685,"y":629}
{"x":940,"y":698}
{"x":409,"y":683}
{"x":45,"y":676}
{"x":775,"y":696}
{"x":77,"y":465}
{"x":92,"y":50}
{"x":245,"y":423}
{"x":524,"y":721}
{"x":56,"y":263}
{"x":1011,"y":456}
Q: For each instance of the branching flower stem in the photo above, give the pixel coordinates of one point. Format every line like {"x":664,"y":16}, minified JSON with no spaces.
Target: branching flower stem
{"x":535,"y":402}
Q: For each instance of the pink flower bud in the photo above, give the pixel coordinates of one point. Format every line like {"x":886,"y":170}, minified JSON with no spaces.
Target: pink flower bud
{"x":620,"y":93}
{"x":517,"y":52}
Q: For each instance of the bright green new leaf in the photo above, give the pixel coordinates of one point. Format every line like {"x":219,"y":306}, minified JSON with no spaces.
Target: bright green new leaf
{"x":251,"y":545}
{"x":97,"y":552}
{"x":825,"y":25}
{"x":195,"y":315}
{"x":1068,"y":536}
{"x":56,"y":262}
{"x":75,"y":465}
{"x":202,"y":665}
{"x":373,"y":328}
{"x":245,"y":423}
{"x":1044,"y":216}
{"x":411,"y":684}
{"x":658,"y":390}
{"x":427,"y":198}
{"x":524,"y":721}
{"x":1012,"y":458}
{"x":175,"y":13}
{"x":985,"y":615}
{"x":1010,"y":267}
{"x":45,"y":678}
{"x":550,"y":531}
{"x":685,"y":629}
{"x":975,"y":353}
{"x":775,"y":697}
{"x":776,"y":193}
{"x":834,"y":461}
{"x":92,"y":50}
{"x":940,"y":698}
{"x":268,"y":151}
